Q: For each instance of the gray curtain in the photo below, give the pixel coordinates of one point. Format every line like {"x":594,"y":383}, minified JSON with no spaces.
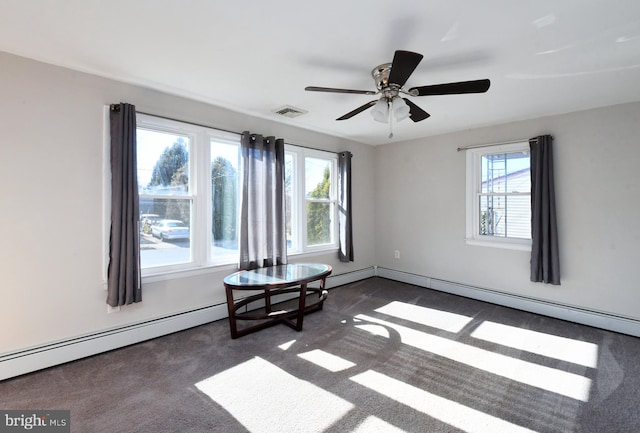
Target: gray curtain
{"x":262,"y":223}
{"x":545,"y":260}
{"x":345,"y":253}
{"x":123,"y":277}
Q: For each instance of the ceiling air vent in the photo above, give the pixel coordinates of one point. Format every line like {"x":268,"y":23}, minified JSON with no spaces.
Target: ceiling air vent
{"x":289,"y":111}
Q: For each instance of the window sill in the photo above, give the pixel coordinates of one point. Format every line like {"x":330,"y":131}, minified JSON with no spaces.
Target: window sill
{"x":225,"y":268}
{"x":185,"y":273}
{"x":510,"y":244}
{"x":314,"y":253}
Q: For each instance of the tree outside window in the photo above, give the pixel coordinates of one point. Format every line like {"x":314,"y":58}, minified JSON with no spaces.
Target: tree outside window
{"x":319,"y":212}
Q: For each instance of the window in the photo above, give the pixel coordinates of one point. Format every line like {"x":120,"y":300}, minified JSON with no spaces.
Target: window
{"x":499,"y":196}
{"x":188,"y":188}
{"x":189,"y":192}
{"x":311,"y":191}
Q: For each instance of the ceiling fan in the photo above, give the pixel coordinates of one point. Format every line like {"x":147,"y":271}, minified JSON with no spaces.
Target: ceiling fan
{"x":390,"y":78}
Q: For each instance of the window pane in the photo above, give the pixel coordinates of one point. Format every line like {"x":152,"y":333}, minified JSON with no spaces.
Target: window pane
{"x":491,"y":215}
{"x":505,"y":173}
{"x":165,"y":231}
{"x":163,"y":163}
{"x":518,"y":216}
{"x":317,"y":190}
{"x":319,"y":223}
{"x":317,"y":178}
{"x":224,"y":199}
{"x":505,"y":216}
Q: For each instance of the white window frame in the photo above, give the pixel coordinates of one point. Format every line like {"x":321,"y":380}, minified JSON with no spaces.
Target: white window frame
{"x":200,"y":194}
{"x":473,"y":193}
{"x":222,"y":137}
{"x":299,"y":200}
{"x":170,"y":127}
{"x":199,"y":190}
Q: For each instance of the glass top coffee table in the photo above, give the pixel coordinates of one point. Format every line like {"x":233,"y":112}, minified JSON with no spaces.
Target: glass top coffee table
{"x":270,"y":282}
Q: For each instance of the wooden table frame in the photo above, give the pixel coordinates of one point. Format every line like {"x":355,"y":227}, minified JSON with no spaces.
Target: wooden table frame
{"x":270,"y":289}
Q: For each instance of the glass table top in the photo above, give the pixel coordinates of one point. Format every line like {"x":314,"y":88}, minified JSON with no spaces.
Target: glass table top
{"x":276,"y":275}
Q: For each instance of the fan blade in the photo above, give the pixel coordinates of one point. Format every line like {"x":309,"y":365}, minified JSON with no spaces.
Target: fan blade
{"x":403,"y":65}
{"x":475,"y":86}
{"x":333,"y":90}
{"x":357,"y":110}
{"x":416,"y":113}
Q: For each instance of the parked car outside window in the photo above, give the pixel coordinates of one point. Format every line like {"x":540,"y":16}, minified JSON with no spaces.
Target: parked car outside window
{"x":170,"y":229}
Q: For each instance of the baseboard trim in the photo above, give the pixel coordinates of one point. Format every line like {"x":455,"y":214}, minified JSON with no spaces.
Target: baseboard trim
{"x":350,"y":277}
{"x":26,"y":361}
{"x":30,"y":360}
{"x":597,"y":319}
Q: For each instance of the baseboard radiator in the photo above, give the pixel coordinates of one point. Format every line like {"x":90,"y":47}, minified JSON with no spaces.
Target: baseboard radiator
{"x":26,"y":361}
{"x":597,"y":319}
{"x":37,"y":358}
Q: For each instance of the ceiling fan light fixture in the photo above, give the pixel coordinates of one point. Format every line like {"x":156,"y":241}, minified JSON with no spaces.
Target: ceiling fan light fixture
{"x":400,"y":109}
{"x":390,"y":79}
{"x":380,"y":111}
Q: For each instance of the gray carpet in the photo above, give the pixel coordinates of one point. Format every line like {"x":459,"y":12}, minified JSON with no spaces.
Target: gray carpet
{"x":381,"y":357}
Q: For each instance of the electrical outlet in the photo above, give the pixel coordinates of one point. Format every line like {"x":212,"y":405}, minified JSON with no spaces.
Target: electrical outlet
{"x":396,"y":254}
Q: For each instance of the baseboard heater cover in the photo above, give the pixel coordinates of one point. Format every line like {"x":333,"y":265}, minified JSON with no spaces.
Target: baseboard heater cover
{"x":597,"y":319}
{"x":26,"y":361}
{"x":29,"y":360}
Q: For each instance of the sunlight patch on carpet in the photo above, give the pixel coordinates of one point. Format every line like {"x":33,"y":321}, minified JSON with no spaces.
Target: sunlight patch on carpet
{"x":373,"y":424}
{"x":426,"y":316}
{"x":447,"y":411}
{"x":539,"y":376}
{"x":552,"y":346}
{"x":375,"y":330}
{"x":265,"y":398}
{"x":287,"y":345}
{"x":327,"y":360}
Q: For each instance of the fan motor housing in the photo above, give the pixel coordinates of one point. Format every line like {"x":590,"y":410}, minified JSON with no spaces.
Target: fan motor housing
{"x":380,"y":75}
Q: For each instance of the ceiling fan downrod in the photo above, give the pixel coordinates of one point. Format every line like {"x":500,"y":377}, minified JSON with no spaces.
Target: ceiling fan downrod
{"x":389,"y":109}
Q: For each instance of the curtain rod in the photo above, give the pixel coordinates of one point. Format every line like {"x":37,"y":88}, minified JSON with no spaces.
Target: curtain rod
{"x":113,"y":106}
{"x":524,"y":140}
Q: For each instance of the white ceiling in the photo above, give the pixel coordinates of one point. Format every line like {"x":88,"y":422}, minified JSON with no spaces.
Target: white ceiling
{"x":542,"y":56}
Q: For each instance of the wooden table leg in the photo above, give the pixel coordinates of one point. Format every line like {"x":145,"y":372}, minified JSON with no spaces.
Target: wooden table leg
{"x":301,"y":305}
{"x":320,"y":293}
{"x":231,"y":308}
{"x":267,"y":301}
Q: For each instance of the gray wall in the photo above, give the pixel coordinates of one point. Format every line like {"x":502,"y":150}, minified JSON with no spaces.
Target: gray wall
{"x":407,"y":196}
{"x":420,"y":210}
{"x":51,"y":191}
